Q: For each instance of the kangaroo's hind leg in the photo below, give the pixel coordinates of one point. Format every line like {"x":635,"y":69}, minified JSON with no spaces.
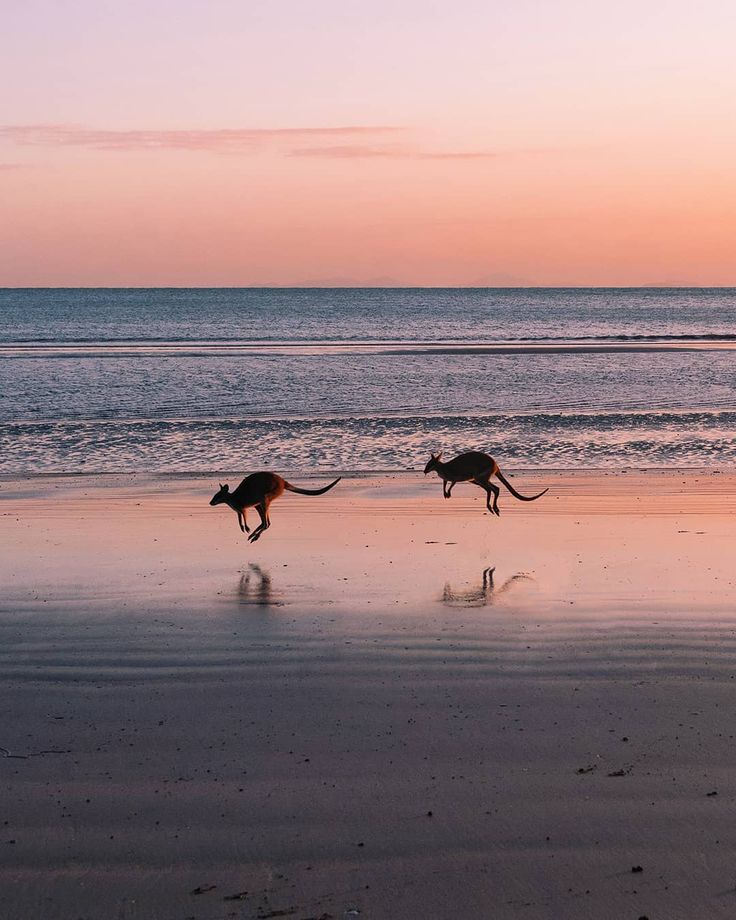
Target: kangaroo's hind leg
{"x":266,"y":506}
{"x":496,"y":492}
{"x":261,"y":509}
{"x":490,"y":490}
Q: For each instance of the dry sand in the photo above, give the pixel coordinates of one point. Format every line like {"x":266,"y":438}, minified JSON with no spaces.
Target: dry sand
{"x":339,"y":721}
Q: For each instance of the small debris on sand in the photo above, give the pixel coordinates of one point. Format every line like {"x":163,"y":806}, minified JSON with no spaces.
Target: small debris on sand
{"x":239,"y":896}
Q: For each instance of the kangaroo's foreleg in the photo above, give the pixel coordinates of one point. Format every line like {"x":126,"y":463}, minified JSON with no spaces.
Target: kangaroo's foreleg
{"x":243,"y":524}
{"x":447,"y":486}
{"x":261,"y":509}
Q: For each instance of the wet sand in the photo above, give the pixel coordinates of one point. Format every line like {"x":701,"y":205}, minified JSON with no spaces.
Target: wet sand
{"x":342,"y":720}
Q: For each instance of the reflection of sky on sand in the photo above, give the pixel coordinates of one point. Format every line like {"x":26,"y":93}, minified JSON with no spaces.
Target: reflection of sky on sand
{"x":625,"y":574}
{"x":614,"y":546}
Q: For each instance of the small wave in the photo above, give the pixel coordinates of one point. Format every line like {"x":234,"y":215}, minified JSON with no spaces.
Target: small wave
{"x":296,"y":340}
{"x":551,"y":440}
{"x":150,"y":348}
{"x":694,"y":337}
{"x":495,"y":421}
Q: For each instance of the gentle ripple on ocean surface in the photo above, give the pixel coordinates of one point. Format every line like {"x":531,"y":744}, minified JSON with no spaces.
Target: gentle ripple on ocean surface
{"x":150,"y":380}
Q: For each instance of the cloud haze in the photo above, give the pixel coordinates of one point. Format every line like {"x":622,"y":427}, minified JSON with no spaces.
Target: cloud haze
{"x":226,"y":140}
{"x":237,"y":140}
{"x":360,"y":151}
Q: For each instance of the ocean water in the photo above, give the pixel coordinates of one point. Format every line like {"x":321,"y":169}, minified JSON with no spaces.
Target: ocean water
{"x":173,"y":380}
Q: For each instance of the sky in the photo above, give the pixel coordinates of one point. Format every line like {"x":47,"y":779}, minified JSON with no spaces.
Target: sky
{"x":473,"y":142}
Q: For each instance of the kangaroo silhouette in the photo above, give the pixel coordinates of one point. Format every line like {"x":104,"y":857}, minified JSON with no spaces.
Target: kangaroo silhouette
{"x":477,"y":468}
{"x":258,"y":491}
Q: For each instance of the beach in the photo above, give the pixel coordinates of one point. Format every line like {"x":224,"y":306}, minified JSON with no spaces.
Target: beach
{"x":387,"y":252}
{"x":343,"y":720}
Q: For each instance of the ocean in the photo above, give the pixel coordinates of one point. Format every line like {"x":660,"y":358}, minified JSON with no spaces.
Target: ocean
{"x":195,"y":380}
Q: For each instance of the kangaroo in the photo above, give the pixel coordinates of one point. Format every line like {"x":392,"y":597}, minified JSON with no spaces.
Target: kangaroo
{"x":477,"y":468}
{"x":258,"y":491}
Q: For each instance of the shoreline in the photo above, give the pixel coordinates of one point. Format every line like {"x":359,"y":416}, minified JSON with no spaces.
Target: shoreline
{"x":632,"y":489}
{"x":312,"y":474}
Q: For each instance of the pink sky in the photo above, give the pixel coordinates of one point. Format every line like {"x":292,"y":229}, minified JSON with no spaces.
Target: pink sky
{"x":203,"y":143}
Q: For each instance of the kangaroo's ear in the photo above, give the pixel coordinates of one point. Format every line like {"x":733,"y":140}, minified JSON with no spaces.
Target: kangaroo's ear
{"x":221,"y":486}
{"x":438,"y":455}
{"x":226,"y":488}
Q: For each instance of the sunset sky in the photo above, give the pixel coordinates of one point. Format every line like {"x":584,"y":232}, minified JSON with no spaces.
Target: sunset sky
{"x":474,"y":142}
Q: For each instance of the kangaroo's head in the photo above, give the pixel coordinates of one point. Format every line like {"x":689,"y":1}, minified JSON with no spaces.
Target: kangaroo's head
{"x":222,"y":496}
{"x":432,"y":463}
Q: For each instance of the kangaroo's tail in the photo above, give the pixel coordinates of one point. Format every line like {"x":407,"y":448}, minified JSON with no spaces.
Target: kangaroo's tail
{"x":512,"y":490}
{"x":289,"y":487}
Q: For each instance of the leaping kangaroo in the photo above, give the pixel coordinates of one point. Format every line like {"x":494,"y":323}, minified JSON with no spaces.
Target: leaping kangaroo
{"x":477,"y":468}
{"x":258,"y":491}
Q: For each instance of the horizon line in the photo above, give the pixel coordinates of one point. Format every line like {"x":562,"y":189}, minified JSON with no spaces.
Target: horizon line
{"x":365,"y":287}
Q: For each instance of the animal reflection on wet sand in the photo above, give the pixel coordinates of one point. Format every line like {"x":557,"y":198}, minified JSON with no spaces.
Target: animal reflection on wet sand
{"x":255,"y":588}
{"x":485,"y":594}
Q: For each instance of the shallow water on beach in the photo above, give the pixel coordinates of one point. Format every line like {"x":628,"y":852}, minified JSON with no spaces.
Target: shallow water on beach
{"x":191,"y":380}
